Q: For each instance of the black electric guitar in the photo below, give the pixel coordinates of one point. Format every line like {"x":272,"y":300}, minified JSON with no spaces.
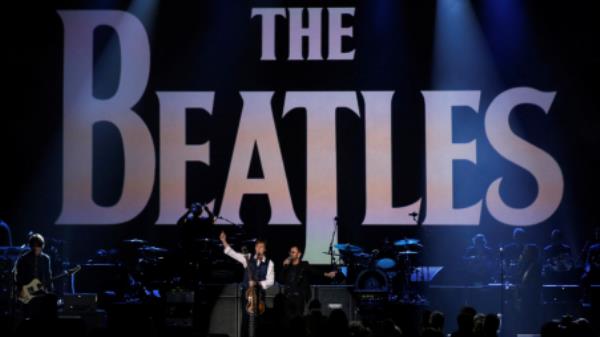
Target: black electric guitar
{"x":35,"y":288}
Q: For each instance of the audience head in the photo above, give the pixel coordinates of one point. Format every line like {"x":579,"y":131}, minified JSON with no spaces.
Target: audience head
{"x":582,"y":327}
{"x":469,"y":311}
{"x":337,"y":322}
{"x":551,"y":329}
{"x":357,"y":329}
{"x":436,"y":320}
{"x":298,"y":327}
{"x":519,"y":235}
{"x":478,"y":320}
{"x":390,"y":328}
{"x":479,"y":240}
{"x":556,"y":236}
{"x":314,"y":305}
{"x":465,"y":322}
{"x":491,"y":324}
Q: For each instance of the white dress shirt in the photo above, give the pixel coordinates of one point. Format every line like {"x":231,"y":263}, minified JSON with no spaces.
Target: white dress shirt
{"x":241,"y":258}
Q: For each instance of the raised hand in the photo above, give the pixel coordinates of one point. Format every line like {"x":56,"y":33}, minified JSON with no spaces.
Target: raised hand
{"x":223,"y":238}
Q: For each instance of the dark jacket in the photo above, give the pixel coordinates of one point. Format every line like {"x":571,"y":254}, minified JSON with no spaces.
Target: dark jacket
{"x":30,"y":266}
{"x":296,"y":279}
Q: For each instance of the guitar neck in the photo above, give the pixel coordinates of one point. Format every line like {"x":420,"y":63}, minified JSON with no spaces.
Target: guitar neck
{"x":59,"y":276}
{"x":66,"y":273}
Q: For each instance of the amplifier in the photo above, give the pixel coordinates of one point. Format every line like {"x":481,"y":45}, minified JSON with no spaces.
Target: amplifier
{"x":335,"y":297}
{"x":81,"y":302}
{"x":180,"y":296}
{"x":179,"y":308}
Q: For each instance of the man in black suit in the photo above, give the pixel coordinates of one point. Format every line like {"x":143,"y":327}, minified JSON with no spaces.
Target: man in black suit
{"x":295,"y":278}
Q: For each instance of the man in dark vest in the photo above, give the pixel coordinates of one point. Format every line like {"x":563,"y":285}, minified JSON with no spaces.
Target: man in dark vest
{"x":259,"y":272}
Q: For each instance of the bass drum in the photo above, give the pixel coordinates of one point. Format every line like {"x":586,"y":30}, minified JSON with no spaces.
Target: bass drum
{"x":371,"y":280}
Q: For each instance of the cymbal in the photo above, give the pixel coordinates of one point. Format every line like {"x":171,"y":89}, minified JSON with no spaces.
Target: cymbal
{"x":348,"y":248}
{"x":251,"y":241}
{"x":153,"y":249}
{"x":135,"y":241}
{"x":408,"y":242}
{"x":207,"y":240}
{"x":363,"y":255}
{"x":408,"y":252}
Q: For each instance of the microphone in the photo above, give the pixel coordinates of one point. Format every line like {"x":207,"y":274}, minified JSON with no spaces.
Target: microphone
{"x":288,"y":260}
{"x":414,"y":215}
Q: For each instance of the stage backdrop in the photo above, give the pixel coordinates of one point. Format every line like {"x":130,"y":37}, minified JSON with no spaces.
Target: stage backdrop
{"x":435,"y":119}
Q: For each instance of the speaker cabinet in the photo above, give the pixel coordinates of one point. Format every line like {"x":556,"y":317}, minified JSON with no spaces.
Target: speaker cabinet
{"x":335,"y":297}
{"x":219,"y":308}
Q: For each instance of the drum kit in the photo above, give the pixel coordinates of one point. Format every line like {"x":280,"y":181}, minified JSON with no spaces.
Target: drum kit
{"x":386,"y":271}
{"x":145,"y":263}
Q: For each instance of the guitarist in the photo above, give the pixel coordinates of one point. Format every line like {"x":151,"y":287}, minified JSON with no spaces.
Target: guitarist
{"x":35,"y":264}
{"x":259,"y":272}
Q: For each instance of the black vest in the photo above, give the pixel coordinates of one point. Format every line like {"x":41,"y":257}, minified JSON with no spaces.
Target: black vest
{"x":259,"y":273}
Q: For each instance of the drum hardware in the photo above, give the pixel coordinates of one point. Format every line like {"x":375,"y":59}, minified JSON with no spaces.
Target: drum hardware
{"x":407,"y":252}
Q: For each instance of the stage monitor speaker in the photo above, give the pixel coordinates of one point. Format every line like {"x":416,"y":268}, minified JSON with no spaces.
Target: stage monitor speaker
{"x":81,"y":302}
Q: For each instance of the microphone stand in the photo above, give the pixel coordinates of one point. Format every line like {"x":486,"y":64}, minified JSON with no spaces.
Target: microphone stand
{"x":502,"y":289}
{"x":418,"y":218}
{"x":330,"y":251}
{"x":239,"y":227}
{"x":218,"y":217}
